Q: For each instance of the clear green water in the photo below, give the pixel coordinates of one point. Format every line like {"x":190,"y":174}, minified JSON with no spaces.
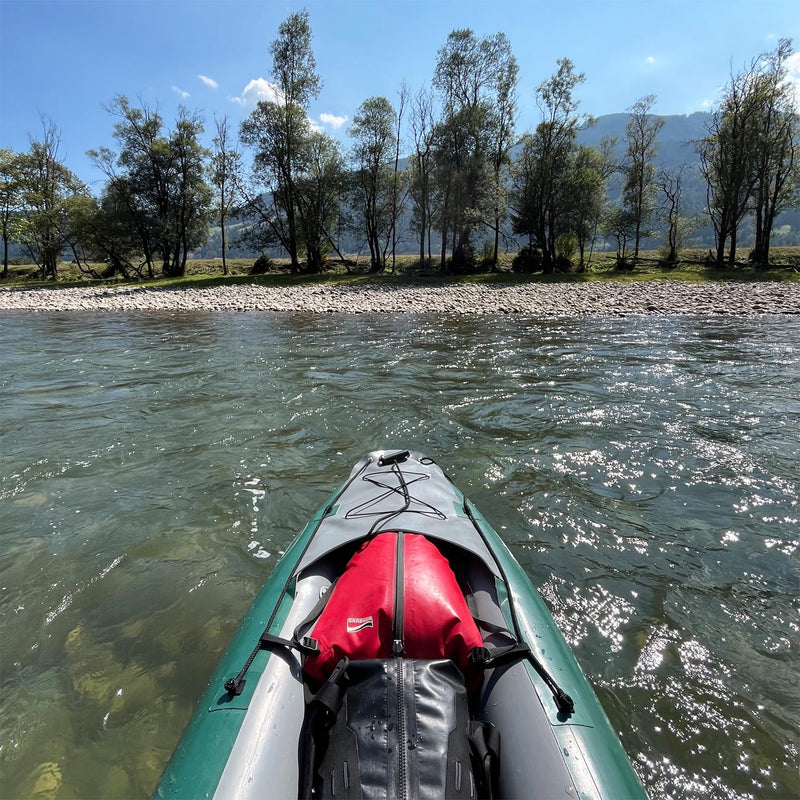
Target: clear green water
{"x":645,"y":471}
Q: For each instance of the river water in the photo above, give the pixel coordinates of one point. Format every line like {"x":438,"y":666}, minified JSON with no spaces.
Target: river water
{"x":644,"y":470}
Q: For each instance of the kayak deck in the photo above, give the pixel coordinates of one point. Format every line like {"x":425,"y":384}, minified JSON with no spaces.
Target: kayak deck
{"x":247,"y":744}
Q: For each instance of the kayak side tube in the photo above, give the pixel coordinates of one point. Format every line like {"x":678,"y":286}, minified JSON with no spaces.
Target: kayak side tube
{"x":591,"y":750}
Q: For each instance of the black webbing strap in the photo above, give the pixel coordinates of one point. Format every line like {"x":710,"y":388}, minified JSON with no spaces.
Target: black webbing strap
{"x":304,"y":645}
{"x":563,"y":701}
{"x":491,"y":657}
{"x":323,"y":709}
{"x":484,"y":740}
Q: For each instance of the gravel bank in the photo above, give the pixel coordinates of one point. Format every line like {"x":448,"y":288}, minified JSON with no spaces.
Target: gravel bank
{"x":653,"y":297}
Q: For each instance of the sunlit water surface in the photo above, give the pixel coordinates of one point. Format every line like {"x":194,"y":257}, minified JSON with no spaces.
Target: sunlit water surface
{"x":643,"y":470}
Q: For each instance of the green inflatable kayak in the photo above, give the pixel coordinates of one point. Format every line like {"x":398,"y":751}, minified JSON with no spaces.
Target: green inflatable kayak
{"x":398,"y":650}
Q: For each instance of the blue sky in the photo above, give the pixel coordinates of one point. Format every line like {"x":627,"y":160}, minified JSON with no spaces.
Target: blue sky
{"x":68,"y":58}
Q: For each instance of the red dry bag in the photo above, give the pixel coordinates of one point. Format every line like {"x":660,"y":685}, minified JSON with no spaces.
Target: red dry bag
{"x":397,"y":596}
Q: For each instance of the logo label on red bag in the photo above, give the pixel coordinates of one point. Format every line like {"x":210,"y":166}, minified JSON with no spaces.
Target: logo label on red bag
{"x":356,"y":624}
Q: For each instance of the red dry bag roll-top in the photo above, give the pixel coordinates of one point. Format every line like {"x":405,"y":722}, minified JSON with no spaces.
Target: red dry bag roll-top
{"x":397,"y":596}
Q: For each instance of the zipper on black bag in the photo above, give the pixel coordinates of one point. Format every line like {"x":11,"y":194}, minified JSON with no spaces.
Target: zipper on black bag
{"x":402,"y":754}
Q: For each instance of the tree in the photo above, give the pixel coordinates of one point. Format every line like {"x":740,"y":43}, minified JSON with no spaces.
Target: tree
{"x":280,"y":134}
{"x":226,"y":166}
{"x":319,"y":187}
{"x":727,"y":162}
{"x":46,"y":185}
{"x":542,"y":195}
{"x":476,"y":79}
{"x":374,"y":143}
{"x":421,"y":170}
{"x":503,"y":137}
{"x":106,"y":230}
{"x":317,"y":182}
{"x":127,"y":219}
{"x":748,"y":158}
{"x":639,"y":190}
{"x":399,"y":181}
{"x":678,"y":226}
{"x":160,"y":177}
{"x":293,"y":62}
{"x":777,"y":138}
{"x":620,"y":225}
{"x":10,"y":189}
{"x":190,"y":198}
{"x":586,"y":184}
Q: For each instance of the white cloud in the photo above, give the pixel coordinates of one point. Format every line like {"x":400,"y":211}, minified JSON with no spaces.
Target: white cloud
{"x":180,"y":92}
{"x":332,"y":121}
{"x":210,"y":82}
{"x":258,"y":89}
{"x":650,"y":60}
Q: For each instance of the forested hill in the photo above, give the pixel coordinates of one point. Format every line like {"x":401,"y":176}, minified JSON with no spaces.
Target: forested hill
{"x":675,"y":139}
{"x":676,"y":146}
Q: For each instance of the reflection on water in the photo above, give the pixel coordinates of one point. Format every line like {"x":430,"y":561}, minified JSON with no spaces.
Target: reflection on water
{"x":155,"y":467}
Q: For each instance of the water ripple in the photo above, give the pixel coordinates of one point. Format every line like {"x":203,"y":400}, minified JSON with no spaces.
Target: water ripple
{"x":643,"y":471}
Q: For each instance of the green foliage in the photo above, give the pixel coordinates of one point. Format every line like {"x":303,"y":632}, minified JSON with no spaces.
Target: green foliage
{"x":156,"y":186}
{"x":566,"y":245}
{"x":639,"y":191}
{"x":477,"y":81}
{"x":546,"y":187}
{"x":528,"y":259}
{"x":463,"y":260}
{"x":749,"y":157}
{"x":262,"y":265}
{"x":10,"y":199}
{"x":299,"y":173}
{"x":293,"y":61}
{"x":226,"y":176}
{"x":45,"y":187}
{"x":374,"y":141}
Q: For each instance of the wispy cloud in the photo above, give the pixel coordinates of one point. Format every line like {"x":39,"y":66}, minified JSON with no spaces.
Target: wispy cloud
{"x":210,"y":82}
{"x":650,"y":60}
{"x":258,"y":89}
{"x":333,"y":121}
{"x":183,"y":95}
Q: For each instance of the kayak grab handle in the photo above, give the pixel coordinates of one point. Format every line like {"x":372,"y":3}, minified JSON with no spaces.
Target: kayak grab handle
{"x":393,"y":457}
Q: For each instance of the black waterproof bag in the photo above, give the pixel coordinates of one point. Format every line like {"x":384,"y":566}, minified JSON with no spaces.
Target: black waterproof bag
{"x":402,"y":732}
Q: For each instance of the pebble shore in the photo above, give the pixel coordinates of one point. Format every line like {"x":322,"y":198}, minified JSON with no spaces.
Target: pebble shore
{"x":557,"y":299}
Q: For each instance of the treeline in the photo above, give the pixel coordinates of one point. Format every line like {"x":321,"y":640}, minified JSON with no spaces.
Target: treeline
{"x":463,"y":192}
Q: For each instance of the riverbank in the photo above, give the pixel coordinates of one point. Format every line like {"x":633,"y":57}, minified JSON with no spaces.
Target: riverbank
{"x":540,"y":299}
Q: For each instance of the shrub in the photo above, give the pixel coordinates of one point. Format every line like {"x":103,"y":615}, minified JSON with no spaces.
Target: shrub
{"x":528,"y":259}
{"x":566,"y":245}
{"x":262,"y":265}
{"x":463,"y":259}
{"x":563,"y":264}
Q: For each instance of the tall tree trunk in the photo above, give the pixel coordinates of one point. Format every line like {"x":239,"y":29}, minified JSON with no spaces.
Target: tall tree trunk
{"x":422,"y":232}
{"x":222,"y":232}
{"x":637,"y":234}
{"x":495,"y":257}
{"x":722,"y":236}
